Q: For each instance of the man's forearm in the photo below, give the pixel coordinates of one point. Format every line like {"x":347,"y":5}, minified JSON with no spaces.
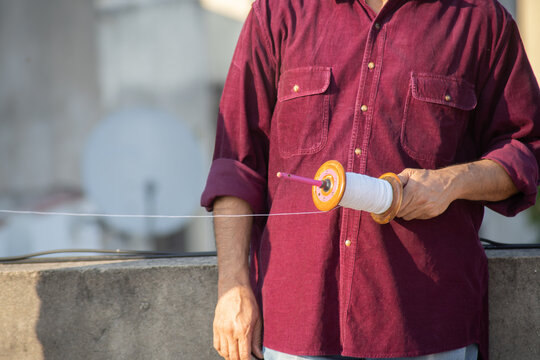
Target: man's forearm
{"x":237,"y":321}
{"x":483,"y":180}
{"x":232,"y":242}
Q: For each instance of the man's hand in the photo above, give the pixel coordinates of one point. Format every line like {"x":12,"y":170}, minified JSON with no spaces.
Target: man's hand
{"x":237,"y":325}
{"x":428,"y":193}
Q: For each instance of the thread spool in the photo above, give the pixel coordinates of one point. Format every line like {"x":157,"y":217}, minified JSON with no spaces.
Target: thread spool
{"x":332,"y":186}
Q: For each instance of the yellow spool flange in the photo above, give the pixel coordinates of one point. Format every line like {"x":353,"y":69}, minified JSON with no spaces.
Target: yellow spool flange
{"x":327,"y":199}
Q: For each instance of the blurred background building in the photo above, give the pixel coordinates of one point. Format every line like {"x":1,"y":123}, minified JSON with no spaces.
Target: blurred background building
{"x":109,"y":106}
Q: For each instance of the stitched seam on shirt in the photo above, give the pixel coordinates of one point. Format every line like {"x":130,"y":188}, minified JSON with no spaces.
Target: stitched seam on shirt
{"x":404,"y":144}
{"x":494,"y":50}
{"x":267,"y":40}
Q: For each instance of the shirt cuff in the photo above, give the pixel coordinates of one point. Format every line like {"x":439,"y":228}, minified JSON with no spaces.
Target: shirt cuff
{"x":229,"y":177}
{"x":521,"y":165}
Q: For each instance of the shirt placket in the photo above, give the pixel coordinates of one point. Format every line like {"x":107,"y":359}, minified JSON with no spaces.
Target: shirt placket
{"x":357,"y":158}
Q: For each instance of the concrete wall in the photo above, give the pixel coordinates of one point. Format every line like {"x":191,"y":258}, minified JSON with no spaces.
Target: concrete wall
{"x":158,"y":309}
{"x":514,"y":291}
{"x":163,"y":309}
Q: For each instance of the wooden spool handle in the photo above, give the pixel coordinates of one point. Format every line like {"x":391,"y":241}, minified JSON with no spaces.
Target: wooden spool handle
{"x":397,"y":198}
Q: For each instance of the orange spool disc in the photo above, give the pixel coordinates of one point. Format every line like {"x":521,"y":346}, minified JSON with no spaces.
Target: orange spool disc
{"x":327,"y":199}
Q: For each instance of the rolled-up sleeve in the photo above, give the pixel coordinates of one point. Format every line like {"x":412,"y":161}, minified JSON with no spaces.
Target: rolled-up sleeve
{"x":509,"y":116}
{"x":240,"y":160}
{"x":229,"y":177}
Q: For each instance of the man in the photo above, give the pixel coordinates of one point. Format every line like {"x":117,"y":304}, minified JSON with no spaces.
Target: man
{"x":440,"y":92}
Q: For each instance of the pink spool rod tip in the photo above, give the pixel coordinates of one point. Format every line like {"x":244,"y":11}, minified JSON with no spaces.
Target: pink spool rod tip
{"x":301,"y":179}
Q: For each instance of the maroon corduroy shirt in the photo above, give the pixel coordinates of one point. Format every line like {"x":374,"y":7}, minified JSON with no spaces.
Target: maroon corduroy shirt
{"x":423,"y":84}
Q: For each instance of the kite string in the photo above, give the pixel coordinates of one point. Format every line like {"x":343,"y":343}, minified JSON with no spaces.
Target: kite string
{"x":53,"y":213}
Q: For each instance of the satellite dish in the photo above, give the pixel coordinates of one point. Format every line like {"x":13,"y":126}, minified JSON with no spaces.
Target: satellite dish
{"x":143,"y":161}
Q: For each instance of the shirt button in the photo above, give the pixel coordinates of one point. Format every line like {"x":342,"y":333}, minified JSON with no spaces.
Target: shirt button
{"x":377,"y":26}
{"x":371,"y":65}
{"x":357,"y":151}
{"x":296,"y":88}
{"x":447,"y":97}
{"x":363,"y":108}
{"x":347,"y":242}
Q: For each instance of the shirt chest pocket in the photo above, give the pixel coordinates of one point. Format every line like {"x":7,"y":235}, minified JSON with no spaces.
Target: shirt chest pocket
{"x":435,"y":118}
{"x":302,"y":110}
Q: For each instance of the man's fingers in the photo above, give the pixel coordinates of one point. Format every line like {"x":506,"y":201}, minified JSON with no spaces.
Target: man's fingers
{"x":405,"y":209}
{"x":406,"y":216}
{"x":233,"y":349}
{"x":217,"y":344}
{"x":244,"y":348}
{"x":404,"y":176}
{"x":256,"y":340}
{"x":252,"y":343}
{"x":223,"y":347}
{"x":235,"y":319}
{"x":409,"y":216}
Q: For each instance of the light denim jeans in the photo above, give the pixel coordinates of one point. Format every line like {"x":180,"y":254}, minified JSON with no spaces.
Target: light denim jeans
{"x":467,"y":353}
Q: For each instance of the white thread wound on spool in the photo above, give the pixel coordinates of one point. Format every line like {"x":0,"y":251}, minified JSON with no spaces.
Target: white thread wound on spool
{"x":367,"y":193}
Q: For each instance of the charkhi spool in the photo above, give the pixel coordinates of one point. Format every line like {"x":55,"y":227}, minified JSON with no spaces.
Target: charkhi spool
{"x":332,"y":187}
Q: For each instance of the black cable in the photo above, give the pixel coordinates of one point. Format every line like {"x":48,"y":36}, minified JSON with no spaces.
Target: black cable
{"x":109,"y":255}
{"x":494,"y":245}
{"x":136,"y":254}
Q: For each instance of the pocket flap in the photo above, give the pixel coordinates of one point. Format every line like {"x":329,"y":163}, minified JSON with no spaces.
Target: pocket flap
{"x":303,"y":81}
{"x":443,"y":90}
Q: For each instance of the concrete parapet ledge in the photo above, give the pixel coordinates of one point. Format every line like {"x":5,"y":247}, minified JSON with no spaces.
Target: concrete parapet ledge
{"x":514,"y":304}
{"x":163,"y":308}
{"x":143,"y":309}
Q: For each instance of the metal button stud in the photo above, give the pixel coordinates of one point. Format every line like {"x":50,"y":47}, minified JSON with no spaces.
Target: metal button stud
{"x":296,"y":88}
{"x":347,"y":242}
{"x":363,"y":108}
{"x":371,"y":65}
{"x":447,"y":97}
{"x":357,"y":151}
